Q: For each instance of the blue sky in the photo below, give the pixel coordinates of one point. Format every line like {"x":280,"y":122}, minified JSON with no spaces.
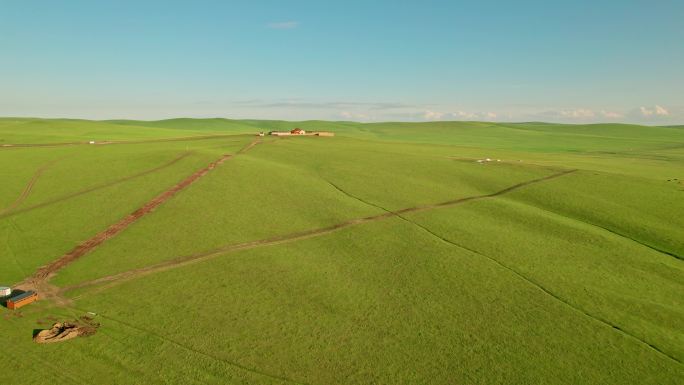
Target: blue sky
{"x":566,"y":61}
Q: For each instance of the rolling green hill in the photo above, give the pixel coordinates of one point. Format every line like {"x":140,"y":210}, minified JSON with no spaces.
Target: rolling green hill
{"x":392,"y":253}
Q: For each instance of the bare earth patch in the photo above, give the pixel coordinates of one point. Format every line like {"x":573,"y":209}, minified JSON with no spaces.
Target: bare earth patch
{"x":62,"y":331}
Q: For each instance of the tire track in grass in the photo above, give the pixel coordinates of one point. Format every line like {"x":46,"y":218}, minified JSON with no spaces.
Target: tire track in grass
{"x":96,"y":187}
{"x":205,"y":354}
{"x":29,"y":186}
{"x":11,"y":249}
{"x":517,"y":273}
{"x":612,"y":231}
{"x":548,"y":292}
{"x":115,"y":279}
{"x":120,"y":226}
{"x":43,"y":274}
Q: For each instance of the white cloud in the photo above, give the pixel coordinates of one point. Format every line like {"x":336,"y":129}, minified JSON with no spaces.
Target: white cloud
{"x":433,"y":115}
{"x":611,"y":114}
{"x":463,"y":115}
{"x":284,"y":25}
{"x":661,"y":111}
{"x":645,"y":111}
{"x":656,"y":110}
{"x":458,"y":115}
{"x":578,"y":113}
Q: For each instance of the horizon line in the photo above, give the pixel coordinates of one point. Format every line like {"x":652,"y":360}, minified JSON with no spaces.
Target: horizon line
{"x":589,"y":123}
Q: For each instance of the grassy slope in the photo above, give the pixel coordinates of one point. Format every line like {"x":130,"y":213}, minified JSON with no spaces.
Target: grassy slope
{"x":652,"y":152}
{"x":191,"y":125}
{"x":52,"y":220}
{"x":293,"y":190}
{"x":14,"y":131}
{"x":620,"y":282}
{"x":387,"y":302}
{"x":640,"y":209}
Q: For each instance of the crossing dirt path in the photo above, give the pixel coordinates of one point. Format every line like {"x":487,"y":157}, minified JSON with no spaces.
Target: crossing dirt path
{"x":194,"y":258}
{"x":38,"y":281}
{"x":103,"y":283}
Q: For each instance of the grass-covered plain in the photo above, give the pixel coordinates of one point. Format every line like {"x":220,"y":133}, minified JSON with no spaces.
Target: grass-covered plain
{"x":573,"y":279}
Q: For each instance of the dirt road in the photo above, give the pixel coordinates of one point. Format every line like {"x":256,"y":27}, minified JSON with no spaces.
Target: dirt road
{"x":194,"y":258}
{"x":38,"y":281}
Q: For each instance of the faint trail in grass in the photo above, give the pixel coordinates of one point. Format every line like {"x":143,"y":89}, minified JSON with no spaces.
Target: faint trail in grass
{"x":115,"y":279}
{"x":459,"y":200}
{"x":44,"y":273}
{"x":338,"y":188}
{"x":614,"y":232}
{"x":29,"y":186}
{"x":11,"y":249}
{"x":547,"y":291}
{"x":97,"y":187}
{"x":654,"y":248}
{"x":124,"y":223}
{"x":486,"y":196}
{"x":205,"y":354}
{"x":517,"y":273}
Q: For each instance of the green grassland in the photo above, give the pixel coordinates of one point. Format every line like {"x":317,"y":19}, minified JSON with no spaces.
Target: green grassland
{"x":384,"y":255}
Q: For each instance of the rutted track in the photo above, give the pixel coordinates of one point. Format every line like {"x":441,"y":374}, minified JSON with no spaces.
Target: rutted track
{"x":43,"y":274}
{"x":29,"y":186}
{"x":194,"y":258}
{"x":113,"y":280}
{"x":9,"y":212}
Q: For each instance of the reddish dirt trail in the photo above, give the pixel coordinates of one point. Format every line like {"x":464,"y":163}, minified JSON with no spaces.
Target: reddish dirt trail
{"x":29,"y":187}
{"x":40,"y":278}
{"x":111,"y":280}
{"x":248,"y":147}
{"x":120,"y":226}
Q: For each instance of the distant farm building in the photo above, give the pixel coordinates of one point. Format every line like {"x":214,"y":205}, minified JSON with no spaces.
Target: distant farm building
{"x":280,"y":133}
{"x":301,"y":132}
{"x":22,"y":299}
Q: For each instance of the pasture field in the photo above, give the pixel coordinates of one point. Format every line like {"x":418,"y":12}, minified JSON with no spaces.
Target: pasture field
{"x":384,"y":255}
